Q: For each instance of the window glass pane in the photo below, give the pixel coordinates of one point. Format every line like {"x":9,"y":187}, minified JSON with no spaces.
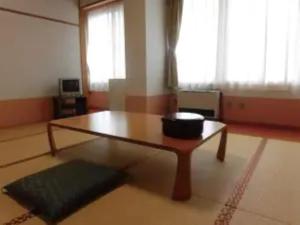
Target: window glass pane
{"x":239,"y":43}
{"x":197,"y":47}
{"x":245,"y":45}
{"x":106,"y":47}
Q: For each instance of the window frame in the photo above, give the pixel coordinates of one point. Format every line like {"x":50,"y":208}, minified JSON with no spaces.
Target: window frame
{"x":83,"y":12}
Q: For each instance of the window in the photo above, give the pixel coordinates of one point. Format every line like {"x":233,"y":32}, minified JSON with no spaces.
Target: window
{"x":239,"y":44}
{"x":105,"y":45}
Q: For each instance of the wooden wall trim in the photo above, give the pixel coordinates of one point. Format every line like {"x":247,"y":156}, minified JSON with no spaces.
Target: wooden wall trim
{"x":37,"y":16}
{"x":84,"y":67}
{"x":98,"y":4}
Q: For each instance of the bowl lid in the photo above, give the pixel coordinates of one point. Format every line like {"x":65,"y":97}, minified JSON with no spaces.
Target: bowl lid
{"x":184,"y":116}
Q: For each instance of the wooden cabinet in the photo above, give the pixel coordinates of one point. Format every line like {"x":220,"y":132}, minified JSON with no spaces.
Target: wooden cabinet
{"x":69,"y":106}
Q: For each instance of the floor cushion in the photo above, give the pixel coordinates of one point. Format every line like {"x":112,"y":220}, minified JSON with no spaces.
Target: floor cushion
{"x":57,"y":192}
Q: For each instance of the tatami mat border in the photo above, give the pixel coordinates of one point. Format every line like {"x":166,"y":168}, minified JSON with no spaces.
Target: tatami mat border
{"x":227,"y":212}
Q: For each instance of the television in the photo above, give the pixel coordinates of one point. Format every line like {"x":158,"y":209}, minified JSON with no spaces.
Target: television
{"x":69,"y":87}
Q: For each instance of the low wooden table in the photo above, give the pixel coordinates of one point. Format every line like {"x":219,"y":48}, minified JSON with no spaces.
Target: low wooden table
{"x":144,"y":129}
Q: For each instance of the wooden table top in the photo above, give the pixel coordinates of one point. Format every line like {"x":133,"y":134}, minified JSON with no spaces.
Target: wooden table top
{"x":139,"y":128}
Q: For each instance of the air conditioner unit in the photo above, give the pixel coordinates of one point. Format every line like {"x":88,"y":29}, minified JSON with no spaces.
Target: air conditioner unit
{"x":206,"y":103}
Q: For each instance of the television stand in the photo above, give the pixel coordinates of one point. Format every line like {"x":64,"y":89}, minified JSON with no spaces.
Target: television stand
{"x":65,"y":106}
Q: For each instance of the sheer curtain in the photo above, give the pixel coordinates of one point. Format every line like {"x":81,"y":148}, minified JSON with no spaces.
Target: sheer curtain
{"x":105,"y":45}
{"x":246,"y":44}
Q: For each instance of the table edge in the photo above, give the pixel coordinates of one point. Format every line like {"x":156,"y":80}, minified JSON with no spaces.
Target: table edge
{"x":144,"y":143}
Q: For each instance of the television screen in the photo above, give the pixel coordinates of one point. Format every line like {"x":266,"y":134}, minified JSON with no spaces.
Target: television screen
{"x":70,"y":85}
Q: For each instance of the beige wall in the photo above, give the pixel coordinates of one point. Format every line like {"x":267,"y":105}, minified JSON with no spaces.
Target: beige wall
{"x":66,"y":10}
{"x":135,"y":46}
{"x":145,"y":47}
{"x":155,"y":46}
{"x":36,"y":52}
{"x":87,"y":2}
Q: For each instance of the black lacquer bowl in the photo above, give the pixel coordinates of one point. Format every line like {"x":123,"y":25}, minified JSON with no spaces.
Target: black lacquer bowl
{"x":183,"y":125}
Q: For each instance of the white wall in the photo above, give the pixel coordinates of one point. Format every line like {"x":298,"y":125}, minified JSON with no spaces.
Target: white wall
{"x":36,"y":52}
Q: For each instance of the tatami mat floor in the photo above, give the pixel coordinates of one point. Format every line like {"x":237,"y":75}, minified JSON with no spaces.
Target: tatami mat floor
{"x":272,"y":196}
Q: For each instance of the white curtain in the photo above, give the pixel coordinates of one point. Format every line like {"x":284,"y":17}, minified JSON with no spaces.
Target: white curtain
{"x":105,"y":45}
{"x":244,"y":44}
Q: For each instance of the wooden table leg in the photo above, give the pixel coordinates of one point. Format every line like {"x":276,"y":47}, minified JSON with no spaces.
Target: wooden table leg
{"x":51,"y":140}
{"x":222,"y":146}
{"x":182,"y":188}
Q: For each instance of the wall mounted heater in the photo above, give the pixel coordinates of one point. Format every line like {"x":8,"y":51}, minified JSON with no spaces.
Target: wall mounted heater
{"x":206,"y":103}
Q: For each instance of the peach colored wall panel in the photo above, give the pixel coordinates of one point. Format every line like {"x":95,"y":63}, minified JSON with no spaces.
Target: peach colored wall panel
{"x":98,"y":100}
{"x":282,"y":112}
{"x":25,"y":111}
{"x":136,"y":104}
{"x":158,"y":104}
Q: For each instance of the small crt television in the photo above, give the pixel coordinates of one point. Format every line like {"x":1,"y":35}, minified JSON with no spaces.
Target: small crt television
{"x":69,"y":87}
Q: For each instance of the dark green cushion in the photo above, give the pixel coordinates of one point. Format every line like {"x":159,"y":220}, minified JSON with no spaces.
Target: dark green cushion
{"x":57,"y":192}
